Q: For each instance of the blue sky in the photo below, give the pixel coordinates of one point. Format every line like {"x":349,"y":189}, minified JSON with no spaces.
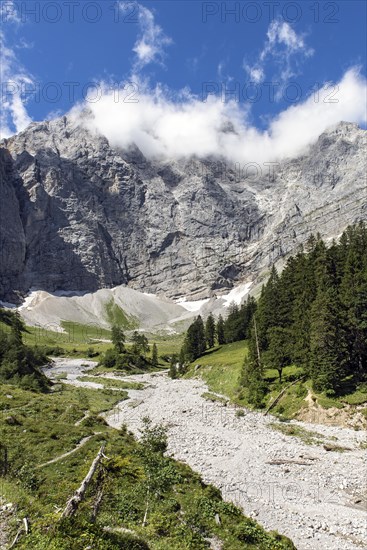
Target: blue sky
{"x":271,"y":56}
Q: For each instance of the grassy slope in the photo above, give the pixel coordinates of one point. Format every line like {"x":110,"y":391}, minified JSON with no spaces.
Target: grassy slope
{"x":117,"y":316}
{"x":77,"y":338}
{"x":43,"y":427}
{"x":221,"y":370}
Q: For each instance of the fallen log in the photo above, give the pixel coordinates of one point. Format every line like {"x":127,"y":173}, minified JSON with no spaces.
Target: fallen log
{"x":282,"y":461}
{"x":16,"y":538}
{"x":97,"y":505}
{"x":281,"y":395}
{"x":73,"y":503}
{"x":332,"y":447}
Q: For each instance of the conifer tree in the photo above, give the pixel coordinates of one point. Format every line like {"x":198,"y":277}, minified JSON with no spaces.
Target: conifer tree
{"x":195,"y":342}
{"x":268,"y":311}
{"x":252,"y":372}
{"x":353,"y":292}
{"x":220,"y":330}
{"x":210,"y":331}
{"x":248,"y":309}
{"x":118,"y":338}
{"x":140,"y":343}
{"x":279,"y":350}
{"x":328,"y":350}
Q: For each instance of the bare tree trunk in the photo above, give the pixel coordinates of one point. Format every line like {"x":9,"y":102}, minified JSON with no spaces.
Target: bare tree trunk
{"x":73,"y":503}
{"x":146,"y":510}
{"x":26,"y":530}
{"x":257,"y":343}
{"x":281,"y":395}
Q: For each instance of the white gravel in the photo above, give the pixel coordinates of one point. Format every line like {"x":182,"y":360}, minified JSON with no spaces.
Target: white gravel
{"x":314,"y":504}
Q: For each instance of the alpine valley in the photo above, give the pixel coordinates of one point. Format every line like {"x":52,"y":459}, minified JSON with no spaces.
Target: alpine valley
{"x":78,"y":215}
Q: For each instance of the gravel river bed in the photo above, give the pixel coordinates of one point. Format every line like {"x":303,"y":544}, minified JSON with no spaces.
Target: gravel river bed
{"x":314,"y":496}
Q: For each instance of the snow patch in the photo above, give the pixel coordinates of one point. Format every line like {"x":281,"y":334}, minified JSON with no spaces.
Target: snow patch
{"x":237,"y":294}
{"x":195,"y":305}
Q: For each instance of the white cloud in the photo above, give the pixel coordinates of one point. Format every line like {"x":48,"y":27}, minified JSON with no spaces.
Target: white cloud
{"x":285,"y":48}
{"x":222,"y":74}
{"x":21,"y":118}
{"x":167,"y":127}
{"x":256,"y":73}
{"x":282,"y":33}
{"x":151,"y":42}
{"x":14,"y":78}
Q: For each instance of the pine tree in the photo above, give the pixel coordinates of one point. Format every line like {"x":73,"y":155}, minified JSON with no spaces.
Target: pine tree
{"x":252,"y":371}
{"x":140,"y":343}
{"x":304,"y":293}
{"x":249,"y":310}
{"x":200,"y":335}
{"x":210,"y":331}
{"x":314,"y":314}
{"x":328,"y":349}
{"x":19,"y":364}
{"x":195,"y":342}
{"x":353,"y":292}
{"x":220,"y":331}
{"x":278,"y":354}
{"x":118,"y":338}
{"x":268,"y":311}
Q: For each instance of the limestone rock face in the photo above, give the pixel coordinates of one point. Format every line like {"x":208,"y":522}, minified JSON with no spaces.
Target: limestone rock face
{"x":77,"y":214}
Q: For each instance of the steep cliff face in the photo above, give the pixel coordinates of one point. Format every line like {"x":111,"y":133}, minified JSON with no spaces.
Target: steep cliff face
{"x":77,"y":214}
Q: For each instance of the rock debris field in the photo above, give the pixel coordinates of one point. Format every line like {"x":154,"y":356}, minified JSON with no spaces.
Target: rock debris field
{"x":314,"y":496}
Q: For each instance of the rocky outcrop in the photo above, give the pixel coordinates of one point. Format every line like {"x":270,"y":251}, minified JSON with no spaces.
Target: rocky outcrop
{"x":77,"y":214}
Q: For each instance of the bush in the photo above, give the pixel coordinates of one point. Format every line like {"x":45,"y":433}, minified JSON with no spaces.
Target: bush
{"x":160,"y":525}
{"x":109,"y":358}
{"x":28,"y":478}
{"x":55,"y":351}
{"x":173,"y":372}
{"x":91,"y":352}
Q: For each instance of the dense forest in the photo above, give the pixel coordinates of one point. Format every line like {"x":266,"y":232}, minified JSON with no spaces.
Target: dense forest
{"x":313,"y":315}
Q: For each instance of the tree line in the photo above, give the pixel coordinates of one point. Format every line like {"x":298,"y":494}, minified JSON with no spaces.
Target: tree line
{"x":312,"y":315}
{"x":201,"y":336}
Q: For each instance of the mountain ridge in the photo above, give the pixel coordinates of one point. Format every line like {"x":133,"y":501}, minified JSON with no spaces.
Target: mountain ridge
{"x":78,"y":214}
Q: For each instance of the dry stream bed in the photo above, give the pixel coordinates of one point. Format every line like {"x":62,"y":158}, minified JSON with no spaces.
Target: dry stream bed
{"x":317,"y":497}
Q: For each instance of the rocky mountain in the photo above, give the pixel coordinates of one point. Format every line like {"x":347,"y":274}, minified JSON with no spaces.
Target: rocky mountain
{"x":77,"y":214}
